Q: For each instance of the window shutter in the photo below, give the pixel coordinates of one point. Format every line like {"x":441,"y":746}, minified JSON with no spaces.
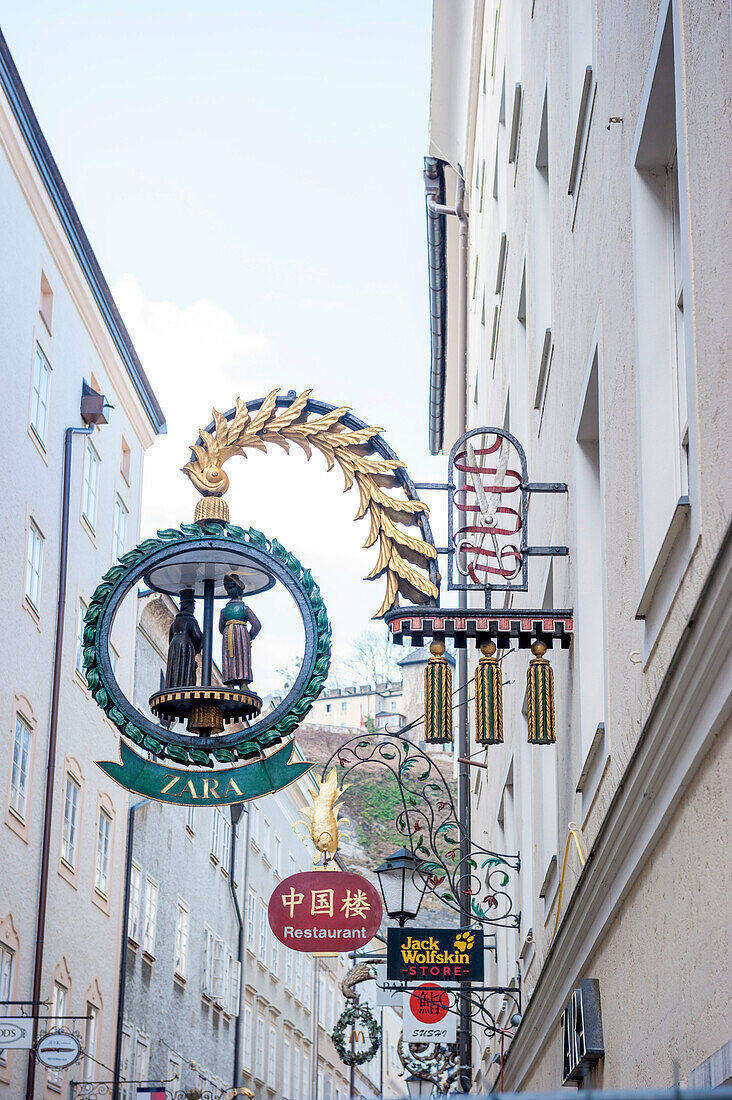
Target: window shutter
{"x":219,"y":970}
{"x":235,"y":986}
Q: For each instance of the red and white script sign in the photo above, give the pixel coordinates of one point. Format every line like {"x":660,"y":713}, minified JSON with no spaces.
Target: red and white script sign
{"x":324,"y":911}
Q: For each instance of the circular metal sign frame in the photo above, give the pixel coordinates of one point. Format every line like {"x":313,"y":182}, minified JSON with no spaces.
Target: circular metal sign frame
{"x":250,"y":546}
{"x":57,"y":1036}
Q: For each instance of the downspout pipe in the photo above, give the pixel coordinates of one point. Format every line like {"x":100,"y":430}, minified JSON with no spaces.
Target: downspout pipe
{"x":236,"y":812}
{"x":434,"y":182}
{"x":52,"y":740}
{"x":123,"y":947}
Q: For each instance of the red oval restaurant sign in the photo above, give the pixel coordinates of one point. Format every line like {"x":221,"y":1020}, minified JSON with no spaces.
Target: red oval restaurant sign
{"x":324,"y":911}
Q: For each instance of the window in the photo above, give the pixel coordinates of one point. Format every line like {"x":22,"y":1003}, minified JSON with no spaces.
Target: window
{"x":45,"y":305}
{"x":150,"y":918}
{"x":306,"y":1072}
{"x":248,"y":1036}
{"x":125,"y":461}
{"x":327,"y":708}
{"x":142,"y":1059}
{"x":174,"y":1065}
{"x":71,"y":822}
{"x":321,"y":1000}
{"x":224,"y":840}
{"x":133,"y":930}
{"x":262,"y":932}
{"x":126,"y":1068}
{"x":91,"y":486}
{"x":20,"y":767}
{"x":542,"y":256}
{"x":120,"y":528}
{"x":331,"y":1006}
{"x":272,"y":1060}
{"x":664,"y":378}
{"x":298,"y":975}
{"x":266,"y":840}
{"x":181,"y":939}
{"x":291,"y":865}
{"x":34,"y":566}
{"x":80,"y":613}
{"x":90,"y":1042}
{"x":215,"y":830}
{"x":39,"y":398}
{"x":104,"y":838}
{"x":286,"y":1067}
{"x":59,"y":1009}
{"x":277,"y":854}
{"x":589,"y":573}
{"x":254,"y":824}
{"x":233,"y":984}
{"x":260,"y":1049}
{"x":274,"y":955}
{"x":251,"y":910}
{"x":7,"y":961}
{"x":191,"y":819}
{"x":288,"y":967}
{"x":308,"y":981}
{"x":343,"y":705}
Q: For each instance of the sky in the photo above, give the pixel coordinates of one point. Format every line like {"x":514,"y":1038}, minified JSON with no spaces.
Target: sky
{"x":250,"y":177}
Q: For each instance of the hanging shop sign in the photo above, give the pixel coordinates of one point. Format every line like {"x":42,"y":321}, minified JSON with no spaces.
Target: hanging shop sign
{"x":16,"y":1033}
{"x":582,"y":1041}
{"x":324,"y":910}
{"x":426,"y":1016}
{"x":436,"y":954}
{"x":388,"y":994}
{"x":58,"y":1049}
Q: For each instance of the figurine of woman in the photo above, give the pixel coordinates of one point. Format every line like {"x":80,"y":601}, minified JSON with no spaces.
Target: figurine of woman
{"x":184,"y":642}
{"x":239,"y":626}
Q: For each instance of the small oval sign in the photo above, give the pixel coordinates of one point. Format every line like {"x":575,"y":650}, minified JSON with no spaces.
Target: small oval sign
{"x":324,"y":911}
{"x":57,"y":1050}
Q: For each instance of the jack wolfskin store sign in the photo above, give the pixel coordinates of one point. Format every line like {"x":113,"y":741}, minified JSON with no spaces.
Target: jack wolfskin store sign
{"x":437,"y":954}
{"x":582,"y":1042}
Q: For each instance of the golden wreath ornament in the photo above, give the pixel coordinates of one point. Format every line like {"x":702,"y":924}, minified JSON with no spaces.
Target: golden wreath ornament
{"x":403,"y":558}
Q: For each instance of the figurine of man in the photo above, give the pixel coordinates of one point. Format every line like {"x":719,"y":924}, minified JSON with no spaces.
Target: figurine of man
{"x":239,"y":627}
{"x":184,"y":642}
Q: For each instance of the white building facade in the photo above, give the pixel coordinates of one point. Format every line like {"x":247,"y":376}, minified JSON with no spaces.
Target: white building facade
{"x":60,"y":337}
{"x":592,"y":140}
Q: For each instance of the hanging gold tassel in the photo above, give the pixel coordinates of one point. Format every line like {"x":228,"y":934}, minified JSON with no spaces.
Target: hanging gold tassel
{"x":540,"y":697}
{"x":437,"y":696}
{"x":488,"y":698}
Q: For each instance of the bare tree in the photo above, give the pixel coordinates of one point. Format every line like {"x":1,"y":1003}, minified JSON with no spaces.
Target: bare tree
{"x":373,"y":659}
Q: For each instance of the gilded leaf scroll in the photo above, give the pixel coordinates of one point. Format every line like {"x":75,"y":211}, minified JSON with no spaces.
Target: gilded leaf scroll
{"x":402,"y":558}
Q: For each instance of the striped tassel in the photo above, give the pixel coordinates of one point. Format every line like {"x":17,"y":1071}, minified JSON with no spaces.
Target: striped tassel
{"x":488,"y":698}
{"x":437,"y":697}
{"x":540,"y":698}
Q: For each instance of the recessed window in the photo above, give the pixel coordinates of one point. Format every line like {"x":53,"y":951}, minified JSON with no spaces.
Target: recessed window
{"x":40,"y":396}
{"x":120,"y":527}
{"x":80,"y":613}
{"x":60,"y":998}
{"x":272,"y":1055}
{"x":125,"y":461}
{"x":191,"y":819}
{"x":7,"y":962}
{"x":181,"y":939}
{"x":262,"y":932}
{"x":90,"y":1042}
{"x":274,"y":955}
{"x":151,"y":916}
{"x":277,"y":854}
{"x":45,"y":306}
{"x":91,"y":486}
{"x":260,"y":1049}
{"x":134,"y":923}
{"x":34,"y":566}
{"x":20,"y":767}
{"x":104,"y":839}
{"x":251,"y":916}
{"x":71,"y":821}
{"x":266,"y":839}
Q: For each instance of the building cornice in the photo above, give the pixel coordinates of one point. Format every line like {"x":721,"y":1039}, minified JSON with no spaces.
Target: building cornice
{"x":691,"y":706}
{"x":60,"y":199}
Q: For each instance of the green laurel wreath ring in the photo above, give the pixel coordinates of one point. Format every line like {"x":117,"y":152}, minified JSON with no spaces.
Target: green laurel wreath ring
{"x":156,"y":739}
{"x":351,"y":1016}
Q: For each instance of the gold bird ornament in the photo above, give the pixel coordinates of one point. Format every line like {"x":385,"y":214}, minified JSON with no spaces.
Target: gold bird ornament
{"x":324,"y":815}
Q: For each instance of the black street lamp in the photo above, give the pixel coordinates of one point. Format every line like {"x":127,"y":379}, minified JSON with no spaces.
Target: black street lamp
{"x":419,"y":1088}
{"x":403,"y":884}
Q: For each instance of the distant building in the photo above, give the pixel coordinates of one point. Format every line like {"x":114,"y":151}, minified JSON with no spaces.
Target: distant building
{"x":350,"y":707}
{"x":61,"y":339}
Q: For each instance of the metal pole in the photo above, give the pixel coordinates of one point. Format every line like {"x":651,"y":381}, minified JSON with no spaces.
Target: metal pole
{"x":123,"y":948}
{"x":52,"y":742}
{"x":236,"y":812}
{"x":207,"y":645}
{"x":316,"y":1028}
{"x":465,"y":1037}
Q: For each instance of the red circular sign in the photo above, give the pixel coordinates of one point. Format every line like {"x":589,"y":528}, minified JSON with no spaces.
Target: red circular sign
{"x":429,"y":1003}
{"x":324,"y":911}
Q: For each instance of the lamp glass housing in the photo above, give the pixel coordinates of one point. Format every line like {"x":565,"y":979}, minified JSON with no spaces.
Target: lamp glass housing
{"x":418,"y":1088}
{"x":403,"y":884}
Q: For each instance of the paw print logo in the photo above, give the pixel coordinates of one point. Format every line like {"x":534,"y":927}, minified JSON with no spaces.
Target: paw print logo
{"x":464,"y":942}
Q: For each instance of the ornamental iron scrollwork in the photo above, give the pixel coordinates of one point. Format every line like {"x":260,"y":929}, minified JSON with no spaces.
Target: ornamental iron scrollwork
{"x":431,"y":828}
{"x":94,"y":1090}
{"x":435,"y":1062}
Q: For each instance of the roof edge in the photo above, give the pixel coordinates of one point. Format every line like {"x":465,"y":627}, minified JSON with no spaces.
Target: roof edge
{"x":61,"y":200}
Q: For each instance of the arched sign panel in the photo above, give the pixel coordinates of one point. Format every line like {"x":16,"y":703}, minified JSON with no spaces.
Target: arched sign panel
{"x":324,"y":911}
